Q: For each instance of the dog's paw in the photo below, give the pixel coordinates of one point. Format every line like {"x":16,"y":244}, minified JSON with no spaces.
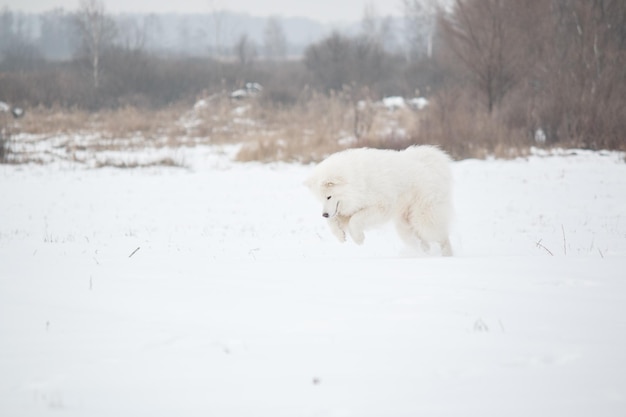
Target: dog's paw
{"x":446,"y":248}
{"x":337,"y":230}
{"x":357,"y":236}
{"x":356,"y":233}
{"x":340,"y":235}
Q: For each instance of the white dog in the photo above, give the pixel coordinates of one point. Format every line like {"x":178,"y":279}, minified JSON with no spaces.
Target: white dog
{"x":361,"y":188}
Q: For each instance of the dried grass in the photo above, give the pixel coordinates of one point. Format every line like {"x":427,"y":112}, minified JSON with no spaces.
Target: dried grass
{"x":312,"y":128}
{"x":305,"y":132}
{"x":465,"y":129}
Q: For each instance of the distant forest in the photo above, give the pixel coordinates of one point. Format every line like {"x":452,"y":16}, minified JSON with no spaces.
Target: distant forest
{"x":552,"y":66}
{"x":92,"y":59}
{"x":56,"y":36}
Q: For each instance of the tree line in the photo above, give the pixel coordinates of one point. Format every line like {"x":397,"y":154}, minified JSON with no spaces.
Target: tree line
{"x":558,"y":65}
{"x":555,"y":69}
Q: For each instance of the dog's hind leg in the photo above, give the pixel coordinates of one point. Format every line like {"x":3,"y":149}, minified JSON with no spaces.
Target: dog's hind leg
{"x":408,"y":234}
{"x":446,"y":248}
{"x":409,"y":231}
{"x":430,"y":224}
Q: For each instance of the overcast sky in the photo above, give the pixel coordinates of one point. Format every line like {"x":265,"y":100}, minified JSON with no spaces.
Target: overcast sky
{"x":323,"y":10}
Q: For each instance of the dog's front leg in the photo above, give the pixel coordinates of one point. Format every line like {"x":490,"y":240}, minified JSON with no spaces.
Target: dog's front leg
{"x":356,"y":232}
{"x":338,"y":225}
{"x":366,"y":217}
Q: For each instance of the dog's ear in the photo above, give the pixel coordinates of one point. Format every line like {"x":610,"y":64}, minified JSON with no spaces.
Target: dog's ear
{"x":312,"y":182}
{"x":333,"y":182}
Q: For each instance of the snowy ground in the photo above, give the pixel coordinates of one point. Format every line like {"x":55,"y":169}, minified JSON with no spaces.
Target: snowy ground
{"x":218,"y":291}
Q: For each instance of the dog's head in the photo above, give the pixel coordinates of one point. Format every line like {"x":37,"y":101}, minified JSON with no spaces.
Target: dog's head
{"x":328,"y":191}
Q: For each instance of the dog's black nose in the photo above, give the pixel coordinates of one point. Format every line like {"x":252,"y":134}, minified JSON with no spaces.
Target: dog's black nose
{"x":324,"y":214}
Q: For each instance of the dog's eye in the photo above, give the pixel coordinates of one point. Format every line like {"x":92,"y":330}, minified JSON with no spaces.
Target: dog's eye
{"x":328,"y":198}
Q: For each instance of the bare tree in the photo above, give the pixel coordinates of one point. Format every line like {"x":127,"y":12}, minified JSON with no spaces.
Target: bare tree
{"x":338,"y":61}
{"x":245,"y":50}
{"x":487,"y":37}
{"x":6,"y":28}
{"x":58,"y":38}
{"x":585,"y":82}
{"x":420,"y":17}
{"x":21,"y":55}
{"x":97,"y":31}
{"x":275,"y":41}
{"x":136,"y":33}
{"x":375,"y":29}
{"x":218,"y":20}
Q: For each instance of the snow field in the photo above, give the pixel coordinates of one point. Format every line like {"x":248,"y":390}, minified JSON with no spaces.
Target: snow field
{"x":218,"y":290}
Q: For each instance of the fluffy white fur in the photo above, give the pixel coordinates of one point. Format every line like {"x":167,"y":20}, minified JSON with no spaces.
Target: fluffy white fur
{"x":362,"y":188}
